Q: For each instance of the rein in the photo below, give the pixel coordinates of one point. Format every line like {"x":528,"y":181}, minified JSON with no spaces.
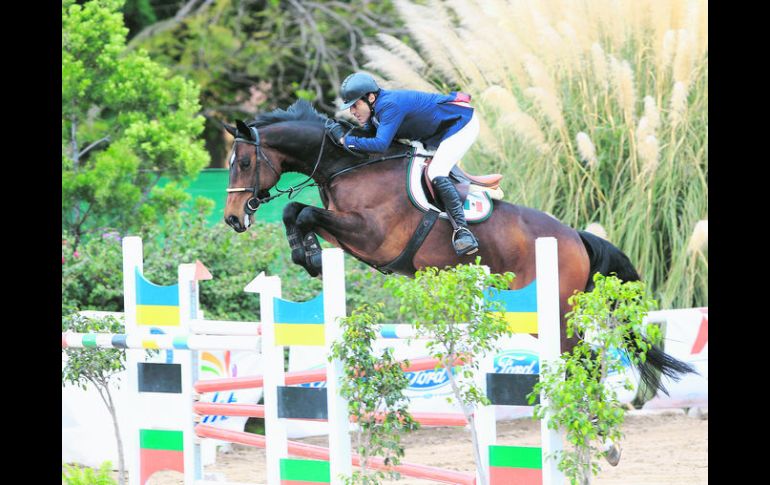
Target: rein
{"x":255,"y":201}
{"x":366,"y":163}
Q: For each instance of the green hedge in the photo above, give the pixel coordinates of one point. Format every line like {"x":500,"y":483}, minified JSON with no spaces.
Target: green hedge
{"x":92,"y":277}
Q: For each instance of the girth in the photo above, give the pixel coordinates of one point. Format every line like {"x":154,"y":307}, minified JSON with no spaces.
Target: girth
{"x":404,"y":262}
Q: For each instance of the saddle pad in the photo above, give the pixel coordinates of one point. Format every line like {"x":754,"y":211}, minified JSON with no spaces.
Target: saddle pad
{"x":478,"y":205}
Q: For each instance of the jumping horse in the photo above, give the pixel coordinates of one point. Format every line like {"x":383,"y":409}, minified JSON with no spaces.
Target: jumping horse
{"x":368,"y":214}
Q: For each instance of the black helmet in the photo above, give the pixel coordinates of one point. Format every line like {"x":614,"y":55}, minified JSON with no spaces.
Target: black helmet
{"x":355,"y":86}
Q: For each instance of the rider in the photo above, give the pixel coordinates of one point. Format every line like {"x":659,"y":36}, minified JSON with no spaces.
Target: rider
{"x":446,"y":123}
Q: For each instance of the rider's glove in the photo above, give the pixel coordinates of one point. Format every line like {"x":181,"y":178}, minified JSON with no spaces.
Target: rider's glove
{"x":335,"y":129}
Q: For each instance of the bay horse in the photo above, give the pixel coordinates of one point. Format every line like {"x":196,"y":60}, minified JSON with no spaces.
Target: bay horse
{"x":368,"y":214}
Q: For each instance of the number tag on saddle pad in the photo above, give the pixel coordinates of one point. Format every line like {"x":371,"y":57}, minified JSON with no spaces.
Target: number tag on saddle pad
{"x":478,"y":205}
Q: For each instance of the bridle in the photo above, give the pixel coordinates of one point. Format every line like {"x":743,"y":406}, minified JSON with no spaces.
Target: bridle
{"x":253,"y":203}
{"x":263,"y":196}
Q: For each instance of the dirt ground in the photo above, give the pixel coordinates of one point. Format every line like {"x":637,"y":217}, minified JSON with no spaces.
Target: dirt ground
{"x":665,"y":448}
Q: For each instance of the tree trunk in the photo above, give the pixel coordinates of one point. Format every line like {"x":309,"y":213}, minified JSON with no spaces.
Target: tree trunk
{"x":448,"y":362}
{"x":121,"y":460}
{"x":104,"y":389}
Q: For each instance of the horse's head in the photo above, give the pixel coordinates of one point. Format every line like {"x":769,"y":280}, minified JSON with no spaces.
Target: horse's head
{"x":291,"y":140}
{"x":254,"y":169}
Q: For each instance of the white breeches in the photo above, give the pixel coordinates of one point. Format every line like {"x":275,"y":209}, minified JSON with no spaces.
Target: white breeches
{"x":451,"y":150}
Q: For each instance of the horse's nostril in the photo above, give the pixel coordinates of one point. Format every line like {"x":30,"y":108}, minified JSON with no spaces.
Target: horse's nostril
{"x":232,"y":221}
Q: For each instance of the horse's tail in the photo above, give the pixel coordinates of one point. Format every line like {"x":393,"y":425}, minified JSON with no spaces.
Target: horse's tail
{"x":607,"y":259}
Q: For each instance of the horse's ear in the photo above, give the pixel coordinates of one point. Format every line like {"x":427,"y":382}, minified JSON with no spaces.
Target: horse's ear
{"x":244,"y":130}
{"x":230,"y":129}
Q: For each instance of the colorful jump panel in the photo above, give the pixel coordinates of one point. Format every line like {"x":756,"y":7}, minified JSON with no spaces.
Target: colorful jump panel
{"x":160,"y":450}
{"x":302,"y":472}
{"x":520,"y":307}
{"x":299,"y":323}
{"x":521,"y":465}
{"x":156,"y":305}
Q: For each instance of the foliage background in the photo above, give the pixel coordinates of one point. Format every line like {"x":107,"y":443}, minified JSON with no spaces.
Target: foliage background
{"x":595,"y":111}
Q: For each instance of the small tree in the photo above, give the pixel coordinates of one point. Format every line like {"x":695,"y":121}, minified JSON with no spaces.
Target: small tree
{"x":99,"y":368}
{"x":374,"y":385}
{"x":126,"y":122}
{"x":583,"y":404}
{"x":449,"y":308}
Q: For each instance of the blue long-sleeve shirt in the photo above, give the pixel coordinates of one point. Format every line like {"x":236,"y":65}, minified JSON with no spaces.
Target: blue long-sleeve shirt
{"x":415,"y":115}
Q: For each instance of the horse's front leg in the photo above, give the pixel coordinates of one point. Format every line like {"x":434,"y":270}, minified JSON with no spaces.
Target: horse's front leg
{"x":341,"y":226}
{"x":297,"y":237}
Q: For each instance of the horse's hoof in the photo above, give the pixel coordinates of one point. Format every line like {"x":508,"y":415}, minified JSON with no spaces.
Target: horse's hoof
{"x":313,"y":272}
{"x":298,"y":256}
{"x":613,"y":455}
{"x":314,"y":263}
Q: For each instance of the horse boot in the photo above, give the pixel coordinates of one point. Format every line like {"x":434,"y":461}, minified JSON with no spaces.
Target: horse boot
{"x":312,"y":254}
{"x":463,"y":239}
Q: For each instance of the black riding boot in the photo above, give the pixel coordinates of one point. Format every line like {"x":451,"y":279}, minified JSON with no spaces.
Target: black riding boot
{"x":463,"y":240}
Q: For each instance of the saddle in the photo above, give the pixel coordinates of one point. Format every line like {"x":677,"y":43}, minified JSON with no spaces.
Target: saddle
{"x":476,"y":192}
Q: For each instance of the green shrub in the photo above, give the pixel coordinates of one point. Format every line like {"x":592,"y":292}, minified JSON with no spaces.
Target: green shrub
{"x":74,"y":475}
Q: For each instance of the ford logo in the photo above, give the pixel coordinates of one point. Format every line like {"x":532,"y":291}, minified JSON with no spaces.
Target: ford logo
{"x":427,"y":379}
{"x":517,"y":362}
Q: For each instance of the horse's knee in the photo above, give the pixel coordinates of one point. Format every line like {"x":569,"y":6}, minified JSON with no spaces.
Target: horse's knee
{"x":290,"y":213}
{"x":305,"y":219}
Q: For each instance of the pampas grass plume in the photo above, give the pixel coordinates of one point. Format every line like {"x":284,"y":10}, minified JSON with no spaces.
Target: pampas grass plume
{"x":525,"y":127}
{"x":667,"y":49}
{"x":678,"y":103}
{"x":651,"y":113}
{"x":395,"y":68}
{"x":599,"y":61}
{"x":538,"y":74}
{"x":586,"y":149}
{"x":648,"y":150}
{"x":623,"y":80}
{"x":597,"y":230}
{"x":548,"y":104}
{"x":402,"y":50}
{"x":700,"y":237}
{"x":499,"y":99}
{"x":683,"y":60}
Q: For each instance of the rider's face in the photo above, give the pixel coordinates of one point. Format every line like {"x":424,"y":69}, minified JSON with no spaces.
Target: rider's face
{"x":361,"y":110}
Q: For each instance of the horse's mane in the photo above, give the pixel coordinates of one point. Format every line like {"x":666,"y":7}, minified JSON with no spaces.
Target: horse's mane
{"x":301,"y":110}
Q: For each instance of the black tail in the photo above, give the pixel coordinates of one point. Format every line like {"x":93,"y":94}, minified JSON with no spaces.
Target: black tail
{"x":607,"y":259}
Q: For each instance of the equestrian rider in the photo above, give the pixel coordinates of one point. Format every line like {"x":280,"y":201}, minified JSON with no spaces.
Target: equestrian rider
{"x":446,"y":123}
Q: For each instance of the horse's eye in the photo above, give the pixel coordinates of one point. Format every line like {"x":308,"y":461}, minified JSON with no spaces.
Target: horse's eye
{"x":245,"y":161}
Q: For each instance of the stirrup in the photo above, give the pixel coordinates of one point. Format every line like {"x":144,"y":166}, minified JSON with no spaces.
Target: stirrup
{"x":471,"y":249}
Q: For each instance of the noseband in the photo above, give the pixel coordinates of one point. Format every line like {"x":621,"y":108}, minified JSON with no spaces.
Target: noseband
{"x":253,"y":203}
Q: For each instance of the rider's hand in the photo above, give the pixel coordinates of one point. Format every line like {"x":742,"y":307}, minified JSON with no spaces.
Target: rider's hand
{"x":337,"y":131}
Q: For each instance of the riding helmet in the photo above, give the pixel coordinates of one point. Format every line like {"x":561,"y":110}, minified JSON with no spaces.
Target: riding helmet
{"x":355,"y":86}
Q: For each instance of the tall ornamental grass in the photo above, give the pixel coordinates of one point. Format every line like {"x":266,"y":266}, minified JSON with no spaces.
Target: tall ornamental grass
{"x":595,"y":111}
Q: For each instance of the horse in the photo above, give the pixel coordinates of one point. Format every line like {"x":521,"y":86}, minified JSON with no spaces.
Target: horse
{"x":367,"y":213}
